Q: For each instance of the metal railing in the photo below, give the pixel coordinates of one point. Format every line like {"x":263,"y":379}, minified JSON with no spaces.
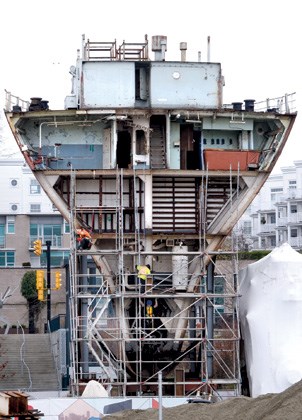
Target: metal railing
{"x":285,"y":104}
{"x":267,"y":227}
{"x":109,"y":51}
{"x":15,"y":102}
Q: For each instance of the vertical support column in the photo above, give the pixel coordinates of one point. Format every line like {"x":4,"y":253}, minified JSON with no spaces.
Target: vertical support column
{"x":66,"y":378}
{"x":84,"y":316}
{"x":160,"y":395}
{"x":114,"y":144}
{"x":210,"y":319}
{"x":148,"y":217}
{"x":48,"y":280}
{"x":168,"y":137}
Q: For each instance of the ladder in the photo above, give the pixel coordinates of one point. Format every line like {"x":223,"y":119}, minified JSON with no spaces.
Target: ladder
{"x":157,"y":148}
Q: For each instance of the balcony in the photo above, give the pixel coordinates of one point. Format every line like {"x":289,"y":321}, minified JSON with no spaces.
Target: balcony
{"x":267,"y":228}
{"x":295,"y":242}
{"x":295,"y":218}
{"x":290,"y":194}
{"x":282,"y":221}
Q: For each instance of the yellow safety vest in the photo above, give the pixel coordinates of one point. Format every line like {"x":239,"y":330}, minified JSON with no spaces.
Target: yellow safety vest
{"x":143,"y":271}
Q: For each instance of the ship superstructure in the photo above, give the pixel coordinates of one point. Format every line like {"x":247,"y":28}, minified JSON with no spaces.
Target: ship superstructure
{"x":147,"y":157}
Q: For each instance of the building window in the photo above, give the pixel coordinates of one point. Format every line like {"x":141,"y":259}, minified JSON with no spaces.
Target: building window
{"x":35,"y":187}
{"x":10,"y":225}
{"x":57,"y":258}
{"x":14,"y":207}
{"x":66,"y":227}
{"x":273,"y":241}
{"x":35,"y":208}
{"x":293,"y":208}
{"x":219,"y":288}
{"x":2,"y":236}
{"x":45,"y":232}
{"x":219,"y":282}
{"x":247,"y":227}
{"x":7,"y":258}
{"x":14,"y":182}
{"x":294,"y":233}
{"x":281,"y":212}
{"x":272,"y":218}
{"x":276,"y":194}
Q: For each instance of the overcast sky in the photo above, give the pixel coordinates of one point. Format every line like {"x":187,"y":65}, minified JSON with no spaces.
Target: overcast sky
{"x":257,"y":42}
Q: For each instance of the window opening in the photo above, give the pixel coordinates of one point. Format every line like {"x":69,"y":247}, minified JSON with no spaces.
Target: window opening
{"x":35,"y":187}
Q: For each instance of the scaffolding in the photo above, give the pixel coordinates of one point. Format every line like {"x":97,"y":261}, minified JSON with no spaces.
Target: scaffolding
{"x":184,"y":325}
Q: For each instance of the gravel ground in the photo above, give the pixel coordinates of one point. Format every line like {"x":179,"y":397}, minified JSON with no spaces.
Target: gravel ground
{"x":284,"y":406}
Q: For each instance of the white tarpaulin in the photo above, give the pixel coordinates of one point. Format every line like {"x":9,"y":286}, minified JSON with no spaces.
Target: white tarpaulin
{"x":270,"y":308}
{"x":94,"y":389}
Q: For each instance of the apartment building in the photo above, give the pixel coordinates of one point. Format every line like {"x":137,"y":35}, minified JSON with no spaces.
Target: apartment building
{"x":275,"y":215}
{"x":26,"y":214}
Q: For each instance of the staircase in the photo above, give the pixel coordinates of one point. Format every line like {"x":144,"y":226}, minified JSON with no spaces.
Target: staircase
{"x":28,"y":363}
{"x":218,"y":194}
{"x":157,"y":148}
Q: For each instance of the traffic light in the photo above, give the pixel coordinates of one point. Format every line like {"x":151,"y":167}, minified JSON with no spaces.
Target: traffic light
{"x":58,"y":280}
{"x":40,"y":284}
{"x":38,"y":247}
{"x":41,"y":295}
{"x":40,"y":280}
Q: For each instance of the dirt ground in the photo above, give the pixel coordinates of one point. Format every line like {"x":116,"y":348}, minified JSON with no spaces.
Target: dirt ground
{"x":284,"y":406}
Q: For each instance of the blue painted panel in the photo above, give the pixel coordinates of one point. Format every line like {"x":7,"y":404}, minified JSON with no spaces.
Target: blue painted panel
{"x":120,"y":406}
{"x":80,"y":156}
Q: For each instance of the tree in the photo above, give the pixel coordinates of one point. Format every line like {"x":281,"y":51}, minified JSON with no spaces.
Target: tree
{"x":29,"y":292}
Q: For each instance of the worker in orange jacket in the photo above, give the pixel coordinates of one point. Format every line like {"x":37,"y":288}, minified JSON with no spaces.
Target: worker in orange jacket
{"x":83,"y":239}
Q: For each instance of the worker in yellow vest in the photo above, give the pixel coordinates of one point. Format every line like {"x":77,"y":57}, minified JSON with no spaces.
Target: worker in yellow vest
{"x":143,"y":271}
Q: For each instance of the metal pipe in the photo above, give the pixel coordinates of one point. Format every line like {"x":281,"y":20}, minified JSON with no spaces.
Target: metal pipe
{"x":160,"y":395}
{"x":183,"y":50}
{"x":208,"y":50}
